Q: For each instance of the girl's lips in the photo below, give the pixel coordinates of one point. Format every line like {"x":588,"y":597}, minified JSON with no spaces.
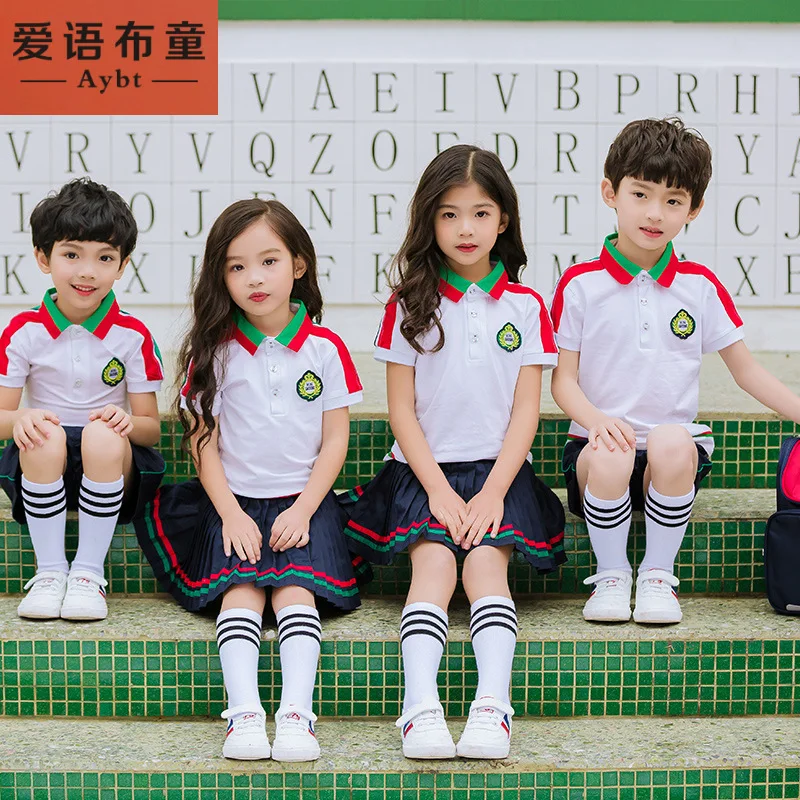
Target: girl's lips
{"x":84,"y":291}
{"x":258,"y":297}
{"x":466,"y":248}
{"x":652,"y":233}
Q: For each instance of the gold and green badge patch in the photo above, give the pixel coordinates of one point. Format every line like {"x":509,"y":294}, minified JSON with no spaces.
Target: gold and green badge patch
{"x":682,"y":324}
{"x":113,"y":372}
{"x":509,"y":338}
{"x":309,"y":387}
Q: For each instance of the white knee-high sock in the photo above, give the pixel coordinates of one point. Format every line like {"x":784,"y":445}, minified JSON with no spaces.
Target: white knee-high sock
{"x":299,"y":638}
{"x":609,"y":523}
{"x":423,"y":634}
{"x":98,"y":509}
{"x":239,"y":643}
{"x":666,"y":520}
{"x":46,"y":512}
{"x":493,"y":629}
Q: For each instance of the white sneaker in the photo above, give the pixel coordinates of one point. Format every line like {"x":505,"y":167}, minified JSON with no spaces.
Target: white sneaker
{"x":246,"y":737}
{"x":425,"y":733}
{"x":295,"y":739}
{"x":610,"y":600}
{"x":656,"y":599}
{"x":86,"y":596}
{"x":488,"y":730}
{"x":43,"y":601}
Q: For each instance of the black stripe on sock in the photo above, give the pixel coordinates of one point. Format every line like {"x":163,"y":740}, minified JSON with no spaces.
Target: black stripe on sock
{"x":223,"y":639}
{"x":29,"y":493}
{"x":410,"y":616}
{"x":100,"y":515}
{"x":607,"y":521}
{"x":103,"y":495}
{"x":91,"y":502}
{"x":222,"y":631}
{"x":493,"y":624}
{"x":282,"y":639}
{"x":479,"y":618}
{"x":655,"y":502}
{"x":30,"y":513}
{"x":49,"y":504}
{"x":419,"y":623}
{"x":294,"y":625}
{"x":423,"y":632}
{"x":245,"y":620}
{"x":598,"y":510}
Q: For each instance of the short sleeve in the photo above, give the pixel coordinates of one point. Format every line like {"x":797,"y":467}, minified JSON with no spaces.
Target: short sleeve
{"x":721,"y":323}
{"x":567,"y":313}
{"x":390,"y":344}
{"x":14,"y":359}
{"x":144,"y":369}
{"x":216,"y":406}
{"x":539,"y":343}
{"x":341,"y":384}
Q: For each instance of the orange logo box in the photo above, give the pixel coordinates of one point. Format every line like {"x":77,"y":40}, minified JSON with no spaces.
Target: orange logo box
{"x":99,"y":57}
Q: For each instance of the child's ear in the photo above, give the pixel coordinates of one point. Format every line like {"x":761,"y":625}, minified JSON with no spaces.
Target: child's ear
{"x":122,"y":266}
{"x":693,"y":214}
{"x":607,"y":193}
{"x":503,"y":223}
{"x":42,"y":260}
{"x":299,"y":268}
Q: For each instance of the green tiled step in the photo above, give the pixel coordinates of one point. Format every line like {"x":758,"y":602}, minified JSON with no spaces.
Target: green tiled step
{"x":361,"y":760}
{"x":152,"y":659}
{"x":721,"y":554}
{"x":746,"y":450}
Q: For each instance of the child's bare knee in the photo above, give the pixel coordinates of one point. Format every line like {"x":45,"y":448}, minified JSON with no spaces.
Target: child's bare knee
{"x":670,"y":445}
{"x":53,"y":447}
{"x":98,"y":440}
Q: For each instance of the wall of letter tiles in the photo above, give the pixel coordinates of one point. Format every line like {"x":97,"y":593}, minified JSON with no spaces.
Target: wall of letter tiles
{"x":343,"y":143}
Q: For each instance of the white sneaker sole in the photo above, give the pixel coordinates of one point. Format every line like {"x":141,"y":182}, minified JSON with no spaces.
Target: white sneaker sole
{"x":246,"y":753}
{"x":483,"y":751}
{"x":441,"y":751}
{"x":83,"y":614}
{"x":656,"y":618}
{"x":295,"y":755}
{"x":39,"y":613}
{"x":607,"y":616}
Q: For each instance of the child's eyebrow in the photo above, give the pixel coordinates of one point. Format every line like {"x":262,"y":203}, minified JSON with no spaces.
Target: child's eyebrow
{"x":262,"y":253}
{"x":477,"y":205}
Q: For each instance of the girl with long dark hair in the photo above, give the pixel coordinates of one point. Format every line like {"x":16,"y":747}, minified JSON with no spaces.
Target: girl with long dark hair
{"x":464,"y":344}
{"x":265,"y":414}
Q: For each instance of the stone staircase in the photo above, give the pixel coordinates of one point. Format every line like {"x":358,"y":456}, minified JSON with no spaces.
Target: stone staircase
{"x":128,"y":708}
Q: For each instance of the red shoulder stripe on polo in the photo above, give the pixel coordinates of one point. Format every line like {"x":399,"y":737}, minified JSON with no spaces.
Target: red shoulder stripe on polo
{"x":188,"y":382}
{"x":388,"y":322}
{"x":351,"y":378}
{"x":545,"y":325}
{"x":691,"y":268}
{"x":557,"y":308}
{"x":153,"y":369}
{"x":17,"y":323}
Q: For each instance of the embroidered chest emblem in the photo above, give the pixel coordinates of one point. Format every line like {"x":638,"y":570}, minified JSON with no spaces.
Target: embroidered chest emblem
{"x":309,"y":387}
{"x":509,"y":338}
{"x":682,"y":324}
{"x":113,"y":372}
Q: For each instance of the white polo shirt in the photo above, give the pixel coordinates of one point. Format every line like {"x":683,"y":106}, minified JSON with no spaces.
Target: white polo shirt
{"x":464,"y":392}
{"x":74,"y":369}
{"x":271,"y":399}
{"x":641,"y":336}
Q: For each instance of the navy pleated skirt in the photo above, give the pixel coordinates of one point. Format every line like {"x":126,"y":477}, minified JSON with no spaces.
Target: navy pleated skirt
{"x":391,"y":512}
{"x":181,"y":536}
{"x":147,"y":471}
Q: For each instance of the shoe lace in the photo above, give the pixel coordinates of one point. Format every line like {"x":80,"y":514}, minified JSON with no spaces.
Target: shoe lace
{"x":85,"y":583}
{"x":657,"y":583}
{"x":44,"y":583}
{"x":424,"y":718}
{"x":294,"y":720}
{"x":487,"y":716}
{"x":608,"y":583}
{"x":248,"y":723}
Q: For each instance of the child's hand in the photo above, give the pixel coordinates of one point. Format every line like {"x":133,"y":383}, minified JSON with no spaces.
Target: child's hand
{"x":31,"y":429}
{"x":485,"y":510}
{"x":290,"y":529}
{"x":114,"y":417}
{"x":448,"y":509}
{"x":240,"y":531}
{"x":610,"y":430}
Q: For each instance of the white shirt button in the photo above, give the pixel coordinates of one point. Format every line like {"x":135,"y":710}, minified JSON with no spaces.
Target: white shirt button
{"x":473,"y":313}
{"x":78,"y":383}
{"x":646,"y":326}
{"x":643,"y":301}
{"x":474,"y":337}
{"x":275,"y":392}
{"x":77,"y":357}
{"x":273,"y":368}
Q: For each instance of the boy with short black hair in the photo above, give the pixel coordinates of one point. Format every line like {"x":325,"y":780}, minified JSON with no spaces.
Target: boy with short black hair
{"x":91,"y":372}
{"x":632,"y":326}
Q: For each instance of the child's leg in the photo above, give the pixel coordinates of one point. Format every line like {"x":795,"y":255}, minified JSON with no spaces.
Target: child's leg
{"x":44,"y":499}
{"x":669,"y":494}
{"x":603,"y":477}
{"x":424,"y":625}
{"x":239,"y":644}
{"x":299,"y":638}
{"x":493,"y":618}
{"x":107,"y":462}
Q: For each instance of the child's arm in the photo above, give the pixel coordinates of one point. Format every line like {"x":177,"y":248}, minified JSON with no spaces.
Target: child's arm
{"x":142,"y":426}
{"x":759,"y":383}
{"x":291,"y":527}
{"x":444,"y":503}
{"x":573,"y":402}
{"x":24,"y":424}
{"x":486,"y":508}
{"x":239,"y":530}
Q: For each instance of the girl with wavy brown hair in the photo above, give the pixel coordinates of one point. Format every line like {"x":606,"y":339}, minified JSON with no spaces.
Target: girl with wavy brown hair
{"x":265,"y":413}
{"x":465,"y":345}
